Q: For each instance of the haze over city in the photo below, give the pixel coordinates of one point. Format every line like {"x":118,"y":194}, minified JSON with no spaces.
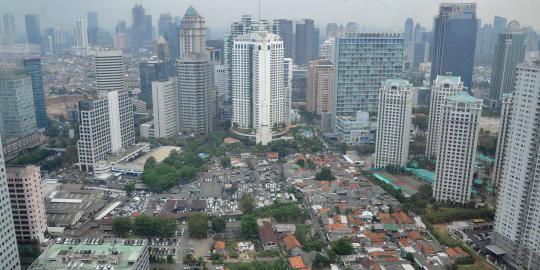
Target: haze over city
{"x":269,"y":135}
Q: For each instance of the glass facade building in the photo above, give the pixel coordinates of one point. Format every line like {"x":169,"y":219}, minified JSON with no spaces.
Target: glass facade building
{"x":149,"y":71}
{"x":33,"y":69}
{"x":454,"y":43}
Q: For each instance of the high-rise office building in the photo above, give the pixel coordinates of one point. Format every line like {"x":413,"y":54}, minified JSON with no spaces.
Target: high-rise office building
{"x":442,"y":88}
{"x":10,"y":33}
{"x":121,"y":27}
{"x":151,"y":70}
{"x":106,"y":126}
{"x":356,"y":85}
{"x":458,"y":139}
{"x":509,"y":51}
{"x":28,"y":204}
{"x":109,"y":68}
{"x":197,"y":92}
{"x":93,"y":27}
{"x":517,"y":219}
{"x":502,"y":139}
{"x":306,"y":42}
{"x":17,"y":110}
{"x":33,"y":69}
{"x":499,"y":24}
{"x":284,"y":28}
{"x":351,"y":27}
{"x":409,"y":30}
{"x":419,"y":53}
{"x":288,"y":66}
{"x":331,"y":30}
{"x":163,"y":25}
{"x":80,"y":35}
{"x":419,"y":32}
{"x":33,"y":29}
{"x":394,"y":123}
{"x":138,"y":26}
{"x":320,"y":85}
{"x":192,"y":33}
{"x":163,"y":50}
{"x":258,"y":84}
{"x":165,"y":108}
{"x":9,"y":257}
{"x":455,"y":30}
{"x":148,"y":28}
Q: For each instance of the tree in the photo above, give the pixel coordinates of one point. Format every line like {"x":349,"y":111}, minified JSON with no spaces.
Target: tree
{"x":247,"y":203}
{"x":343,"y":246}
{"x":248,"y":226}
{"x":218,"y":224}
{"x":325,"y":174}
{"x":301,"y":163}
{"x":420,"y":121}
{"x":198,"y":225}
{"x":129,"y":188}
{"x":121,"y":226}
{"x":225,"y":162}
{"x":154,"y":226}
{"x":150,"y":163}
{"x":320,"y":261}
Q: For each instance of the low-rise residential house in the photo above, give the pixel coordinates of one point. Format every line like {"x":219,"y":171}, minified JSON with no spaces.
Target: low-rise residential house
{"x":267,"y":236}
{"x":219,"y":248}
{"x":292,"y":245}
{"x":297,"y":263}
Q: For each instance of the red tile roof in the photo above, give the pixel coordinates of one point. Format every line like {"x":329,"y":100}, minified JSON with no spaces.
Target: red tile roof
{"x":297,"y":263}
{"x":267,"y":234}
{"x":291,"y":242}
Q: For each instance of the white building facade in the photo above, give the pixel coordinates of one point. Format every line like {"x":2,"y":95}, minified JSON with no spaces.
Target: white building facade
{"x":258,"y":84}
{"x":458,"y":140}
{"x":81,"y":37}
{"x":442,"y":88}
{"x":394,"y":123}
{"x":518,"y":212}
{"x":165,"y":108}
{"x":109,"y":69}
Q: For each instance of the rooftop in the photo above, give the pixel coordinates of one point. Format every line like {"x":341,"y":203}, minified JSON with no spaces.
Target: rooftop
{"x":448,"y":79}
{"x":463,"y":97}
{"x":111,"y":253}
{"x":400,"y":83}
{"x":191,"y":11}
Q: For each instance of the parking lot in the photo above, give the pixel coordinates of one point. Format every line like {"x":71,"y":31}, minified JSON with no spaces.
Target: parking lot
{"x":479,"y":239}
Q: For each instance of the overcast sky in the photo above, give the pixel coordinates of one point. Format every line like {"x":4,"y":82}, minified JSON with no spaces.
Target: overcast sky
{"x":386,"y":15}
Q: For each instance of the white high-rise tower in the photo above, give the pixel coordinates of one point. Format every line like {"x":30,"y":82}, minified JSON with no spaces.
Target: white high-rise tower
{"x":192,"y":33}
{"x":81,"y":37}
{"x":393,"y":130}
{"x":442,"y":88}
{"x":258,"y":84}
{"x":517,"y":219}
{"x":109,"y":68}
{"x":456,"y":151}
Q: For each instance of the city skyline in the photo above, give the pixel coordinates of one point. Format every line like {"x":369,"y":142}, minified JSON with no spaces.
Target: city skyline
{"x":349,"y":11}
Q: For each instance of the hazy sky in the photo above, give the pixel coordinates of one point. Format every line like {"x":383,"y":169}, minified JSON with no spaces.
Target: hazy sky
{"x":383,"y":14}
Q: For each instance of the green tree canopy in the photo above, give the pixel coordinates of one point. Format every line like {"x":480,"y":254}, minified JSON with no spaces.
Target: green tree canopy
{"x":325,"y":174}
{"x":343,"y":246}
{"x":121,"y":226}
{"x":248,"y":226}
{"x":218,"y":224}
{"x":247,"y":203}
{"x":198,"y":225}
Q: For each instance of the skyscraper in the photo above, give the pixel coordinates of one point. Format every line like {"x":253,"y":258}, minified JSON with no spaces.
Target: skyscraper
{"x":93,"y":25}
{"x":24,"y":183}
{"x":163,"y":24}
{"x":394,"y":123}
{"x":151,"y":70}
{"x":509,"y":51}
{"x":328,"y":49}
{"x":237,"y":29}
{"x":33,"y":69}
{"x":284,"y":28}
{"x":502,"y":139}
{"x":359,"y":70}
{"x":454,"y":43}
{"x":352,"y":27}
{"x":306,"y":42}
{"x":148,"y":28}
{"x":9,"y":257}
{"x":121,"y":27}
{"x":138,"y":26}
{"x":409,"y":30}
{"x":33,"y":29}
{"x":10,"y":34}
{"x":109,"y":68}
{"x":288,"y":66}
{"x":456,"y":152}
{"x":499,"y":24}
{"x":258,"y":84}
{"x":18,"y":122}
{"x":442,"y":88}
{"x":331,"y":30}
{"x":192,"y":33}
{"x":165,"y":108}
{"x":105,"y":127}
{"x":80,"y":37}
{"x":197,"y":92}
{"x":517,"y":219}
{"x":419,"y":31}
{"x":320,"y":86}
